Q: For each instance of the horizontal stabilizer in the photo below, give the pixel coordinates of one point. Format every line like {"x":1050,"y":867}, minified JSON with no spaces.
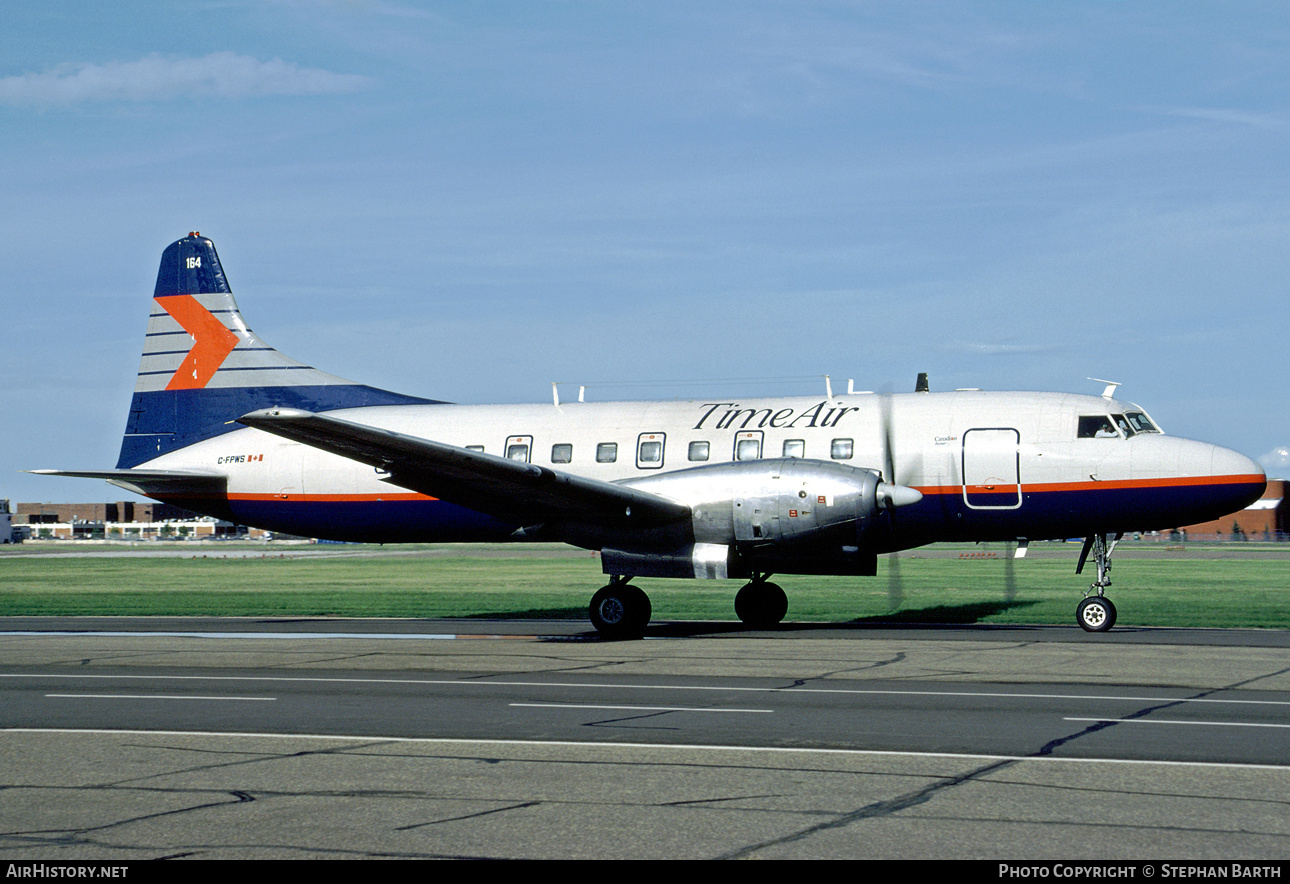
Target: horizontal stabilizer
{"x":150,"y":482}
{"x":513,"y":491}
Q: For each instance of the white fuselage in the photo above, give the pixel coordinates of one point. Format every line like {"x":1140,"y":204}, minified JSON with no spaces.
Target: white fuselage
{"x":1010,"y":464}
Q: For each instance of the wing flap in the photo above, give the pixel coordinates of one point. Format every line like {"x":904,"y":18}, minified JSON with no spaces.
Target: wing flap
{"x":512,"y":491}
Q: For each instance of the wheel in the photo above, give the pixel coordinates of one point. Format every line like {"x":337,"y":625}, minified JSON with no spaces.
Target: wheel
{"x":1095,"y":614}
{"x":760,"y":605}
{"x":620,"y":611}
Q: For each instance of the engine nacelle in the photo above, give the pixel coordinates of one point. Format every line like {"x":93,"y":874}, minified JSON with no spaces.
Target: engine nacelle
{"x":788,"y":515}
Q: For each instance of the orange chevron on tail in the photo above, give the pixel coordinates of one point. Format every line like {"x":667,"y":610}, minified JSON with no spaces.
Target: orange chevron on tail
{"x":212,"y":342}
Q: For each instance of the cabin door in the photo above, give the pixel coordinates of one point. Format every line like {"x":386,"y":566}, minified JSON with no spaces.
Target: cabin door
{"x":991,"y":468}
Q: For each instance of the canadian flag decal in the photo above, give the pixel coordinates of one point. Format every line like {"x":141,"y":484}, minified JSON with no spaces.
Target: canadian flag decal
{"x":212,"y":342}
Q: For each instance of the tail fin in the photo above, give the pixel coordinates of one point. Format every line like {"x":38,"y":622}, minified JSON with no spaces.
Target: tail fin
{"x":202,"y":366}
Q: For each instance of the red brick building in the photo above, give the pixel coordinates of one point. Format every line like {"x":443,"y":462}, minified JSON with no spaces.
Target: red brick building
{"x":1268,"y":518}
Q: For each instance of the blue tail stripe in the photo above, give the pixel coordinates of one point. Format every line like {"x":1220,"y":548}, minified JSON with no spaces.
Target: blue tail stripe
{"x":166,"y":420}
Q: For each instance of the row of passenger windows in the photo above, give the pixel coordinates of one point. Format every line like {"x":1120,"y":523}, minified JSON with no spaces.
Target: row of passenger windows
{"x":650,"y":449}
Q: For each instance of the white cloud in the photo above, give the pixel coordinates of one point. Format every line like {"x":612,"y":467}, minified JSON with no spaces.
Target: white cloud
{"x":160,"y":78}
{"x":1277,"y":461}
{"x":1274,"y":121}
{"x":985,"y":348}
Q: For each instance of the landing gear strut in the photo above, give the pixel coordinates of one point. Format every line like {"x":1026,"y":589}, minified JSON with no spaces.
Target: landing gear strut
{"x":760,"y":604}
{"x":1096,"y":613}
{"x":620,"y":610}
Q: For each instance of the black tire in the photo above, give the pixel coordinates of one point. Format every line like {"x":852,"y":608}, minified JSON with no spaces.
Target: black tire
{"x":620,"y":611}
{"x":761,"y":605}
{"x":1095,"y":614}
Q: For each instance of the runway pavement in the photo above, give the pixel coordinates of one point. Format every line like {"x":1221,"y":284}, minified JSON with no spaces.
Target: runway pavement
{"x":127,"y":739}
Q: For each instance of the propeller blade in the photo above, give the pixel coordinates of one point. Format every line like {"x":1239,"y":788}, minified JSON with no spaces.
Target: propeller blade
{"x":1009,"y":572}
{"x":895,"y":589}
{"x":888,"y":454}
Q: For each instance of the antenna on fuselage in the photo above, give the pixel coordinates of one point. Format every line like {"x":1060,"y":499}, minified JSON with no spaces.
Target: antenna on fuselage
{"x":921,"y":386}
{"x":1109,"y":392}
{"x":555,"y":393}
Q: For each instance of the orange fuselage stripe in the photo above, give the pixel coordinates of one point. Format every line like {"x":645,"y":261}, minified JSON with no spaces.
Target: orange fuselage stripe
{"x":1038,"y":488}
{"x":1116,"y":484}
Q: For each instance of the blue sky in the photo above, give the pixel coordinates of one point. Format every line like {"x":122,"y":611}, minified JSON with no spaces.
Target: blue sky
{"x":470,"y":200}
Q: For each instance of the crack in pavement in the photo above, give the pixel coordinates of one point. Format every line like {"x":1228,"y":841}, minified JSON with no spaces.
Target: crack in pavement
{"x":921,"y":796}
{"x":870,"y":811}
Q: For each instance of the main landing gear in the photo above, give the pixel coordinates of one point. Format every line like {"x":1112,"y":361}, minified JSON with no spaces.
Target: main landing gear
{"x":622,"y":611}
{"x":1096,"y":613}
{"x":761,"y":604}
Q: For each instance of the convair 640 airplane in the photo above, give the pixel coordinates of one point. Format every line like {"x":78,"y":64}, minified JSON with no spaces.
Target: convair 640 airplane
{"x":225,"y":425}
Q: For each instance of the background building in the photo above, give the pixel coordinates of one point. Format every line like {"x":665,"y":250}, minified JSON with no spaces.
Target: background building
{"x":122,"y":520}
{"x":1268,"y":518}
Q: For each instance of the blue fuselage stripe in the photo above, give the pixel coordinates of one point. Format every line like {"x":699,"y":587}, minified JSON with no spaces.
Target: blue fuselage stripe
{"x":1054,"y":514}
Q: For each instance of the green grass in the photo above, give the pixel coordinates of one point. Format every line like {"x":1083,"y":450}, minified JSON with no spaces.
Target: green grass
{"x":1154,"y":586}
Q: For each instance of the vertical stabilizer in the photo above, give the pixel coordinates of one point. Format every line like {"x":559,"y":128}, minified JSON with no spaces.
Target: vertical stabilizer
{"x":202,"y":366}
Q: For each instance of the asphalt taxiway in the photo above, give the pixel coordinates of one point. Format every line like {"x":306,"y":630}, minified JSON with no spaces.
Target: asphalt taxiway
{"x":207,"y":737}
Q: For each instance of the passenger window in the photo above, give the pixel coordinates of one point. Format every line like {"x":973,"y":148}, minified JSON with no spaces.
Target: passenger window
{"x":794,"y":448}
{"x":519,"y":447}
{"x":1096,"y":426}
{"x":607,"y":452}
{"x":562,"y":453}
{"x":699,"y":450}
{"x":748,"y":446}
{"x":649,"y":451}
{"x":841,"y":449}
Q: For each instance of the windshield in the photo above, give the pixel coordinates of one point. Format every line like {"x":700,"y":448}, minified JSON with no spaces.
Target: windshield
{"x":1140,"y":423}
{"x":1112,"y":426}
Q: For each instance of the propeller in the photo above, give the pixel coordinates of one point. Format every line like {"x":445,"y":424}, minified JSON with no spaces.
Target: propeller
{"x":1009,"y":572}
{"x":886,"y":489}
{"x":895,"y":589}
{"x":884,"y":428}
{"x":891,"y":494}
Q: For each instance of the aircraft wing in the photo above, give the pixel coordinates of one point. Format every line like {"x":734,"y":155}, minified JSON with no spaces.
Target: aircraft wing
{"x":512,"y":491}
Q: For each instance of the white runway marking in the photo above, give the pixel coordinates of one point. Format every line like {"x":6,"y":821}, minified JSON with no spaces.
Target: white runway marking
{"x":675,"y":747}
{"x":634,"y":708}
{"x":1143,"y":698}
{"x":148,"y":697}
{"x":1175,"y":721}
{"x":271,"y":635}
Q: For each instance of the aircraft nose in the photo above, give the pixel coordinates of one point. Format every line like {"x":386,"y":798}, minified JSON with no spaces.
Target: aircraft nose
{"x":1244,"y":476}
{"x":1226,"y":462}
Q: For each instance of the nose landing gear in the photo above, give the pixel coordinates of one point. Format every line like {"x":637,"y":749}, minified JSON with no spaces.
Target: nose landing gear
{"x":1096,"y":613}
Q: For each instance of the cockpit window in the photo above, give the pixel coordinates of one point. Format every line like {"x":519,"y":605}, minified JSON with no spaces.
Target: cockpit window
{"x":1140,"y":423}
{"x":1097,"y":426}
